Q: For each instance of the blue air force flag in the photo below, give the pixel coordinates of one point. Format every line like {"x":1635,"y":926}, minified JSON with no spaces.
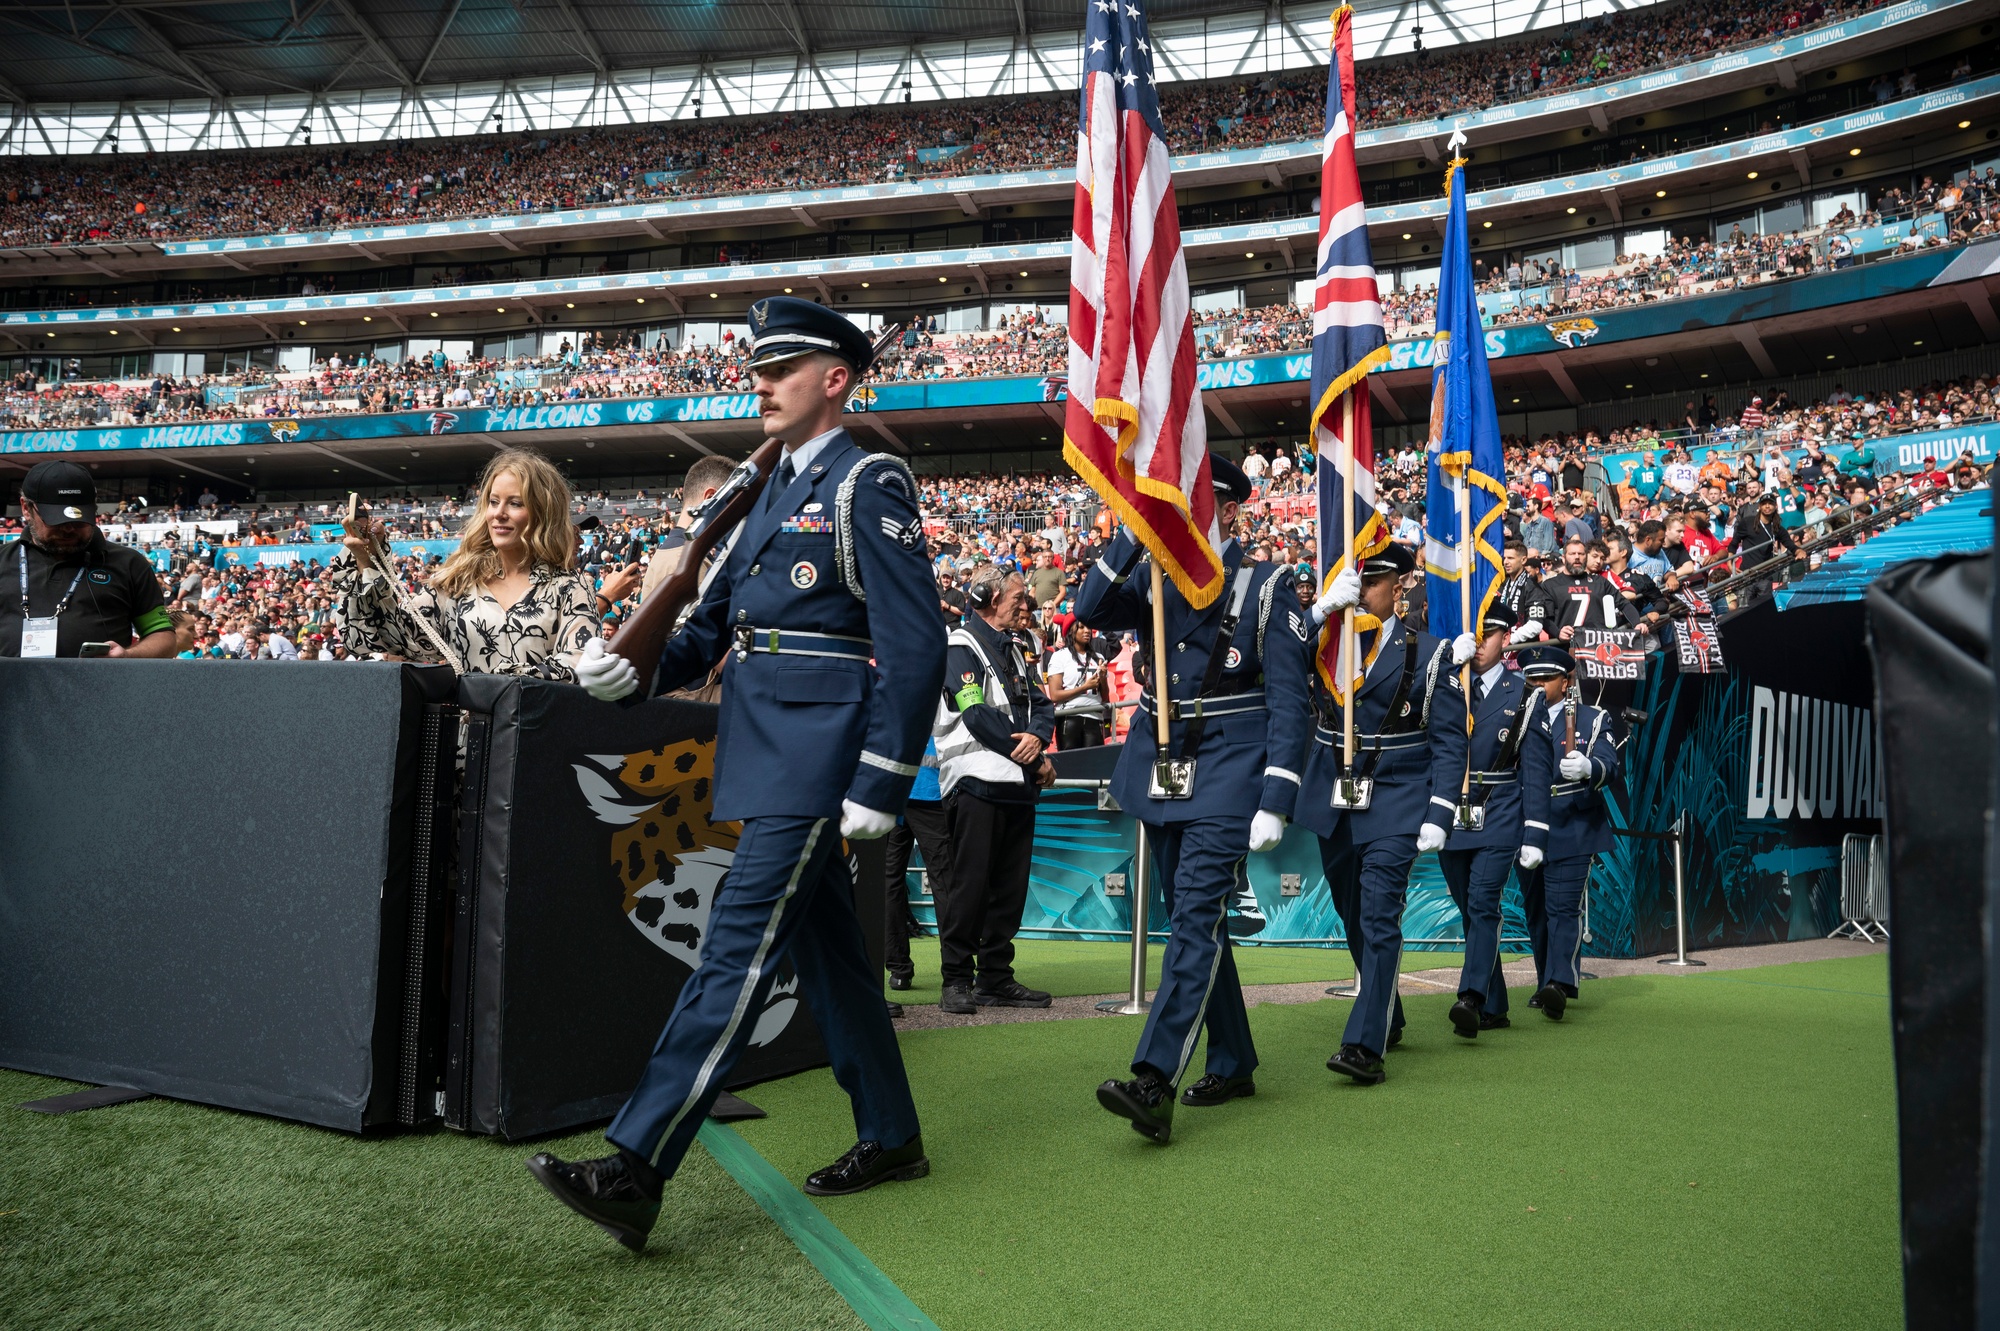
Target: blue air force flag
{"x":1466,"y":489}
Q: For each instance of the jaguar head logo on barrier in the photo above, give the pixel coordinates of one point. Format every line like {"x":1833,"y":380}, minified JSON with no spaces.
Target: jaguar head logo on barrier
{"x":669,"y":855}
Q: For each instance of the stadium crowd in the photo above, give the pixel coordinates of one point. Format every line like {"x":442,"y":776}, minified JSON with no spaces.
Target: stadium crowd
{"x":46,"y":201}
{"x":1663,"y":504}
{"x":621,"y":365}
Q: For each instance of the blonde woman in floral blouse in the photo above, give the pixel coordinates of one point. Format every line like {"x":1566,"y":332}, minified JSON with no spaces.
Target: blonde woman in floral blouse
{"x":509,"y":601}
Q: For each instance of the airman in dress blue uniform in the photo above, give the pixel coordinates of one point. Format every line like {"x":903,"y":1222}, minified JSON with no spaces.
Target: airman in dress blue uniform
{"x":1236,"y":700}
{"x":1410,"y":733}
{"x":1571,"y":754}
{"x":1484,"y":836}
{"x":827,"y":610}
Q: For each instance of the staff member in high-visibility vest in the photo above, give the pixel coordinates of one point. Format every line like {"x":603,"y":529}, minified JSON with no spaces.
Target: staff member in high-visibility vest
{"x":65,"y":589}
{"x":993,"y":722}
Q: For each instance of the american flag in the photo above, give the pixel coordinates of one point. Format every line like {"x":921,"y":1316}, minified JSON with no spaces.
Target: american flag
{"x":1348,"y":342}
{"x":1134,"y":428}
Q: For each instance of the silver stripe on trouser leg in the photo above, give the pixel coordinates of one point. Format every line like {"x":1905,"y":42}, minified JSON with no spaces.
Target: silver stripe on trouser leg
{"x":1218,"y":940}
{"x":751,"y":976}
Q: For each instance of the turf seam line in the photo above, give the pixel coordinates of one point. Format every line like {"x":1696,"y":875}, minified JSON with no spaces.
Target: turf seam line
{"x":875,"y":1298}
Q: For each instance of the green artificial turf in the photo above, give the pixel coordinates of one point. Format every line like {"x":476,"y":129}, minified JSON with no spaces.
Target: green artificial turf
{"x":1708,"y":1151}
{"x":170,"y":1215}
{"x":1711,"y":1151}
{"x":1069,"y":968}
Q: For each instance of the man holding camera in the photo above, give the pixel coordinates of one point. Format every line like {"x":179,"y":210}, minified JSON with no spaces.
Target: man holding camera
{"x":69,"y":591}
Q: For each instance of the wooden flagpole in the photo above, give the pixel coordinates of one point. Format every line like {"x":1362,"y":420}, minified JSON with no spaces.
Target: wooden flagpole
{"x":1350,"y":649}
{"x":1465,"y":624}
{"x":1163,"y":732}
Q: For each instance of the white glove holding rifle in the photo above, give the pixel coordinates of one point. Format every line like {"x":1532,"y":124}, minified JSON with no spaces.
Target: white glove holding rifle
{"x":605,"y":676}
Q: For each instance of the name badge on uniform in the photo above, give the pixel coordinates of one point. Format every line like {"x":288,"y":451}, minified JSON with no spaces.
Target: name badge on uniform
{"x":38,"y":636}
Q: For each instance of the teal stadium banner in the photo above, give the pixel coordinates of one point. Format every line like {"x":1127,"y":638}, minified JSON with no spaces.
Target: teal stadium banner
{"x":1717,"y":309}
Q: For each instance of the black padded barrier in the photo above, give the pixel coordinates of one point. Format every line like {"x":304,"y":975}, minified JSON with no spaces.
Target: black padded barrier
{"x":586,"y":868}
{"x":203,"y":878}
{"x":1930,"y":630}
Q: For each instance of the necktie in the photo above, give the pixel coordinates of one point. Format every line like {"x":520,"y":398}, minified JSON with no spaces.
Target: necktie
{"x":1478,"y":689}
{"x":781,"y":481}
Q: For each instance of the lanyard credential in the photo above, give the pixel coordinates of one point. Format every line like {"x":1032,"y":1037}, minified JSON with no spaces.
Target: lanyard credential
{"x":38,"y":636}
{"x":61,"y":605}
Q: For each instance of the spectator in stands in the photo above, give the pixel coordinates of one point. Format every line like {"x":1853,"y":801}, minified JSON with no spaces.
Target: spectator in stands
{"x":508,"y":601}
{"x":1081,"y":691}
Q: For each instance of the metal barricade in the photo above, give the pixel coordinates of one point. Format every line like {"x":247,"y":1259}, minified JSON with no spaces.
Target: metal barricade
{"x":1864,"y":889}
{"x":1878,"y":886}
{"x":1138,"y":889}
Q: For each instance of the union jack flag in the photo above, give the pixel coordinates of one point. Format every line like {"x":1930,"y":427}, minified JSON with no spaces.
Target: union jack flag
{"x":1348,"y":342}
{"x":1133,"y":427}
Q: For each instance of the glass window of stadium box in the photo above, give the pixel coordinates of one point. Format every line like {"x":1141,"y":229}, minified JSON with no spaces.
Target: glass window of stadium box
{"x":1050,"y":314}
{"x":454,"y":348}
{"x":1644,"y":244}
{"x":241,"y":362}
{"x":295,"y":360}
{"x":965,"y":319}
{"x":1219,"y":299}
{"x":508,"y":348}
{"x":181,"y":365}
{"x":1826,"y":207}
{"x":1778,"y":218}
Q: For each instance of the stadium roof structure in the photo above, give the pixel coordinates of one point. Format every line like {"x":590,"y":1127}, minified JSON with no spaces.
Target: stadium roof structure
{"x":259,"y":73}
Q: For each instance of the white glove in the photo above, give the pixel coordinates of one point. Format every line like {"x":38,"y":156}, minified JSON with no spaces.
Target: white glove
{"x":859,"y":823}
{"x":1344,"y":594}
{"x":1266,"y":831}
{"x":1430,"y":837}
{"x":1530,"y":858}
{"x":606,"y":676}
{"x":1528,"y":632}
{"x":1462,"y":648}
{"x":1574,"y":767}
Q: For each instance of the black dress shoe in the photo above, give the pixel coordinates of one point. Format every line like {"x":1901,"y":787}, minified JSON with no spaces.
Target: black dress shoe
{"x":1360,"y":1063}
{"x":901,"y":981}
{"x":895,"y":1010}
{"x":1217,"y":1090}
{"x":1465,"y":1020}
{"x":603,"y":1192}
{"x":957,"y":998}
{"x":1011,"y":993}
{"x":1395,"y":1037}
{"x":1490,"y":1022}
{"x":867,"y":1164}
{"x":1147,"y":1100}
{"x":1536,"y":1001}
{"x":1551,"y":1000}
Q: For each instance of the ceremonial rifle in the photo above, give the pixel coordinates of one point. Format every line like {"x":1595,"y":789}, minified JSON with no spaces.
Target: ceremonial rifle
{"x":644,"y":634}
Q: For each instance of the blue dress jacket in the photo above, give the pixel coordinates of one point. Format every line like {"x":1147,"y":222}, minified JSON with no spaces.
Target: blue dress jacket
{"x":843,"y":707}
{"x":1254,"y":732}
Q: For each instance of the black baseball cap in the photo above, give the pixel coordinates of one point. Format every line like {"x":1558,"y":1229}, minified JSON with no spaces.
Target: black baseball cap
{"x":61,"y":492}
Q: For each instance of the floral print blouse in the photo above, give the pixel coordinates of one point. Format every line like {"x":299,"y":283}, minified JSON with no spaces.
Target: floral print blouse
{"x":541,"y":634}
